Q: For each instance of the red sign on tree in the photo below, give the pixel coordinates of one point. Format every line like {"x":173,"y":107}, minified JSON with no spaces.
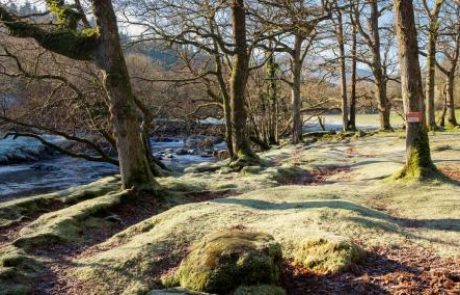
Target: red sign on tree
{"x":414,"y":117}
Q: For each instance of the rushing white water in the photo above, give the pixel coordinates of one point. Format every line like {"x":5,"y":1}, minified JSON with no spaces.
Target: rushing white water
{"x":27,"y":167}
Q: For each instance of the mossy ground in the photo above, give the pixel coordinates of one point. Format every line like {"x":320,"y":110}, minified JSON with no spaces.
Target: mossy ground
{"x":224,"y":260}
{"x":357,"y":204}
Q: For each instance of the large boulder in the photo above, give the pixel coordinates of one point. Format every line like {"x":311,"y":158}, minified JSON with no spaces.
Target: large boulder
{"x":222,"y":261}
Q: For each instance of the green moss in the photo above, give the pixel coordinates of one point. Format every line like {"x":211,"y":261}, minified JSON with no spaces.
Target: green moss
{"x":69,"y":224}
{"x":328,"y":254}
{"x":64,"y":39}
{"x":15,"y":210}
{"x":18,"y":271}
{"x":66,"y":15}
{"x":245,"y":158}
{"x":419,"y":165}
{"x":224,"y":260}
{"x":259,"y":290}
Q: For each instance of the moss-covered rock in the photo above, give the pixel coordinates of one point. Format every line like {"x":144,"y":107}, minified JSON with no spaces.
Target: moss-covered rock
{"x":328,"y":254}
{"x":259,"y":290}
{"x":225,"y":260}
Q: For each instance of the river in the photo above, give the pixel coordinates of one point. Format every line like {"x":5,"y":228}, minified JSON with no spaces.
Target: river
{"x":41,"y":171}
{"x":27,"y":167}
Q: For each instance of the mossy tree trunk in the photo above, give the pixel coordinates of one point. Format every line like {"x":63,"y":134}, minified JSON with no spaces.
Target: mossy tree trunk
{"x":240,"y":73}
{"x":418,"y":162}
{"x":134,"y":165}
{"x":102,"y":46}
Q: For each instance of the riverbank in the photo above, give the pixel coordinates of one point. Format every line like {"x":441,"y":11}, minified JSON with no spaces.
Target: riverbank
{"x":336,"y":191}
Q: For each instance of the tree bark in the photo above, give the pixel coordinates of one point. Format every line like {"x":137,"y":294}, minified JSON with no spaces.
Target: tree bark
{"x":431,"y":65}
{"x":273,"y":95}
{"x":296,"y":84}
{"x":384,"y":106}
{"x":377,"y":68}
{"x":240,"y":72}
{"x":354,"y":51}
{"x":418,"y":156}
{"x":450,"y":101}
{"x":134,"y":165}
{"x":343,"y":70}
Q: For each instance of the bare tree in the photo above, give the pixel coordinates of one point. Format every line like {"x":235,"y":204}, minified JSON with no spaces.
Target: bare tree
{"x":449,"y":47}
{"x":102,"y":46}
{"x":432,"y":12}
{"x":372,"y":38}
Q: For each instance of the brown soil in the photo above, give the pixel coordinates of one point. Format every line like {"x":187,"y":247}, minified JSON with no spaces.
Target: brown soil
{"x":10,"y":233}
{"x":384,"y":271}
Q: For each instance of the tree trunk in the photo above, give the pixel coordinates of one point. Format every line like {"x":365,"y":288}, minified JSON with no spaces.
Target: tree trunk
{"x":239,"y":79}
{"x":273,"y":93}
{"x":442,"y":119}
{"x":296,"y":84}
{"x":384,"y":107}
{"x":134,"y":165}
{"x":381,"y":85}
{"x":354,"y":47}
{"x":343,"y":70}
{"x":431,"y":66}
{"x":450,"y":102}
{"x":228,"y":126}
{"x":418,"y":157}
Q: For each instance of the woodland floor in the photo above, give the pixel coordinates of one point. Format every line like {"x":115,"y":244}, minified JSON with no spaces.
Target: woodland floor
{"x":96,"y":240}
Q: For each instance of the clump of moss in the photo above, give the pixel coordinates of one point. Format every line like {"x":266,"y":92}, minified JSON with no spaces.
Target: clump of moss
{"x":244,"y":160}
{"x":225,"y":260}
{"x":330,"y":254}
{"x":259,"y":290}
{"x":251,"y":170}
{"x":69,"y":224}
{"x":287,"y":173}
{"x":15,"y":210}
{"x":18,"y":271}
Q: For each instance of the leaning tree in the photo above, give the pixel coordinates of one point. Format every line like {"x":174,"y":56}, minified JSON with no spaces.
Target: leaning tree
{"x":72,"y":36}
